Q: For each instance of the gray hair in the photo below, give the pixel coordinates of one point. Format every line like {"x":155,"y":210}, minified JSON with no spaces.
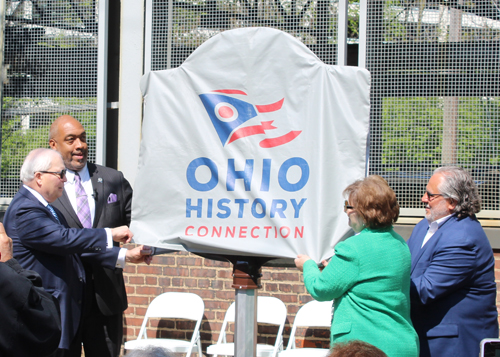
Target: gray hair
{"x":460,"y":187}
{"x":37,"y":160}
{"x":150,"y":351}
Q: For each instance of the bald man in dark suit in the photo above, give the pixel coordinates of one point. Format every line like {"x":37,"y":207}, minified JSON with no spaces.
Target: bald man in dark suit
{"x":110,"y":199}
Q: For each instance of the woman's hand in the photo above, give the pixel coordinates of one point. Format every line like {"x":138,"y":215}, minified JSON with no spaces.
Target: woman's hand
{"x":300,"y":260}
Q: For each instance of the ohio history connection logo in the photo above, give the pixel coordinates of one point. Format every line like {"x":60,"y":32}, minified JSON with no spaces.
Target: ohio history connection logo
{"x":222,"y":214}
{"x":228,"y":114}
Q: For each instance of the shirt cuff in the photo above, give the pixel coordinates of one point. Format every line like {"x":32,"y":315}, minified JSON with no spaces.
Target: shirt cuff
{"x":120,"y":262}
{"x":109,"y":237}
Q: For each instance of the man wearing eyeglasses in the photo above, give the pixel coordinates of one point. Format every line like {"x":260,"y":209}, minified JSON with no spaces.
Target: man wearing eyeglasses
{"x":43,"y":242}
{"x":105,"y":197}
{"x":453,"y":288}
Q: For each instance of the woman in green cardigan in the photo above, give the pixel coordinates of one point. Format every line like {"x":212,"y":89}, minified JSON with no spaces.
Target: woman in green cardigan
{"x":369,"y":276}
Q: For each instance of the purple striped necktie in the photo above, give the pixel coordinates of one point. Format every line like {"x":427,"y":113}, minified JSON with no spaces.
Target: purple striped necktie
{"x":82,"y":203}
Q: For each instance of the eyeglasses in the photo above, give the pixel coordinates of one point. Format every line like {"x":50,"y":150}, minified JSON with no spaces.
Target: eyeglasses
{"x":61,"y":174}
{"x":431,"y":196}
{"x":347,"y":206}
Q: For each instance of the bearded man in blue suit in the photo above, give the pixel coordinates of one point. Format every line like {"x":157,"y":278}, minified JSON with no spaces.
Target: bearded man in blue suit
{"x":453,"y":290}
{"x":43,"y":242}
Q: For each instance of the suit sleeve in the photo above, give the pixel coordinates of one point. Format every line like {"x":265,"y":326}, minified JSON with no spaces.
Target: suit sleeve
{"x":31,"y":320}
{"x":37,"y":230}
{"x":336,"y":278}
{"x":106,"y":259}
{"x":451,"y":267}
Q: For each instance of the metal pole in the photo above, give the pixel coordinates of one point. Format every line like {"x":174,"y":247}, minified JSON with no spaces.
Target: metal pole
{"x":170,"y":33}
{"x":246,"y":281}
{"x":451,"y":104}
{"x":102,"y":83}
{"x":148,"y":37}
{"x":130,"y":97}
{"x":363,"y":13}
{"x":3,"y":70}
{"x":245,"y":329}
{"x":342,"y":33}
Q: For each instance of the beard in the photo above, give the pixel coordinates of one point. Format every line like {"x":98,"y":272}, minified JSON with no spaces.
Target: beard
{"x":438,"y":211}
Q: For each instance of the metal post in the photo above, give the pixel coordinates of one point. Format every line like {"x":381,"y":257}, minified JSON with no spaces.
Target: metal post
{"x":450,"y":110}
{"x":130,"y":97}
{"x":102,"y":83}
{"x":245,"y":329}
{"x":170,"y":33}
{"x":148,"y":36}
{"x":342,"y":33}
{"x":246,"y":281}
{"x":363,"y":13}
{"x":3,"y":71}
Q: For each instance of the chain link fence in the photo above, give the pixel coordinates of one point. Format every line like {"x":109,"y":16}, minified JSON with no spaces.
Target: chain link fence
{"x":435,"y":96}
{"x":50,"y":59}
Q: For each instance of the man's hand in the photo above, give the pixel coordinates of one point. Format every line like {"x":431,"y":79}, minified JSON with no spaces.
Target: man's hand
{"x":300,"y":260}
{"x":139,"y":254}
{"x":122,"y":234}
{"x":5,"y":245}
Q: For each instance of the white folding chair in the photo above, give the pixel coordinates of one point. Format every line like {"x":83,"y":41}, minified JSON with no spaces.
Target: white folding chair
{"x":173,"y":305}
{"x":312,"y":314}
{"x":270,"y":310}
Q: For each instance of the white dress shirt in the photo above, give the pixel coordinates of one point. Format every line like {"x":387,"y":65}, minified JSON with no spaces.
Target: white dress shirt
{"x":433,"y":227}
{"x":69,"y":187}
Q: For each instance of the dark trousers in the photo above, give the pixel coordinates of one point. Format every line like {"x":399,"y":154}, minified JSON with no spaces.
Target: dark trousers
{"x":75,"y":350}
{"x":101,"y":335}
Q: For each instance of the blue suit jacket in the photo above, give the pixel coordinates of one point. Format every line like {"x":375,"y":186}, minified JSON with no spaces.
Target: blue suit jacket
{"x":44,"y":245}
{"x":453,"y":288}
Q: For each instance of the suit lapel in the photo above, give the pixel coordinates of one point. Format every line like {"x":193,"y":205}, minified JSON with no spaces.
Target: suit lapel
{"x":98,"y":187}
{"x":420,"y":235}
{"x":417,"y":239}
{"x":66,"y":208}
{"x":25,"y":192}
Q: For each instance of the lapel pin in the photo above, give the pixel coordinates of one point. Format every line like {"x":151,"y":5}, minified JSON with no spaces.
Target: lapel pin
{"x":99,"y":180}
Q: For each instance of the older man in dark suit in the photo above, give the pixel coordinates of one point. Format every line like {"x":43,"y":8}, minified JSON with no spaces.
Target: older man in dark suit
{"x":43,"y":242}
{"x":453,"y":288}
{"x":106,"y":198}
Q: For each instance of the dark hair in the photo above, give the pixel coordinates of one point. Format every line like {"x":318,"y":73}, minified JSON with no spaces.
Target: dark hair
{"x":374,"y":200}
{"x":460,"y":187}
{"x":355,"y":348}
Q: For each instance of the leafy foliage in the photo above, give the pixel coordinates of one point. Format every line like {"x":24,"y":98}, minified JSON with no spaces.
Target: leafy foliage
{"x":413,"y":131}
{"x":23,"y":133}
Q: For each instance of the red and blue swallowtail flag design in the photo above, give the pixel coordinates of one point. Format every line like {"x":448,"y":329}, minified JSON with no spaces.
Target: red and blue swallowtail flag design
{"x":228,"y":114}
